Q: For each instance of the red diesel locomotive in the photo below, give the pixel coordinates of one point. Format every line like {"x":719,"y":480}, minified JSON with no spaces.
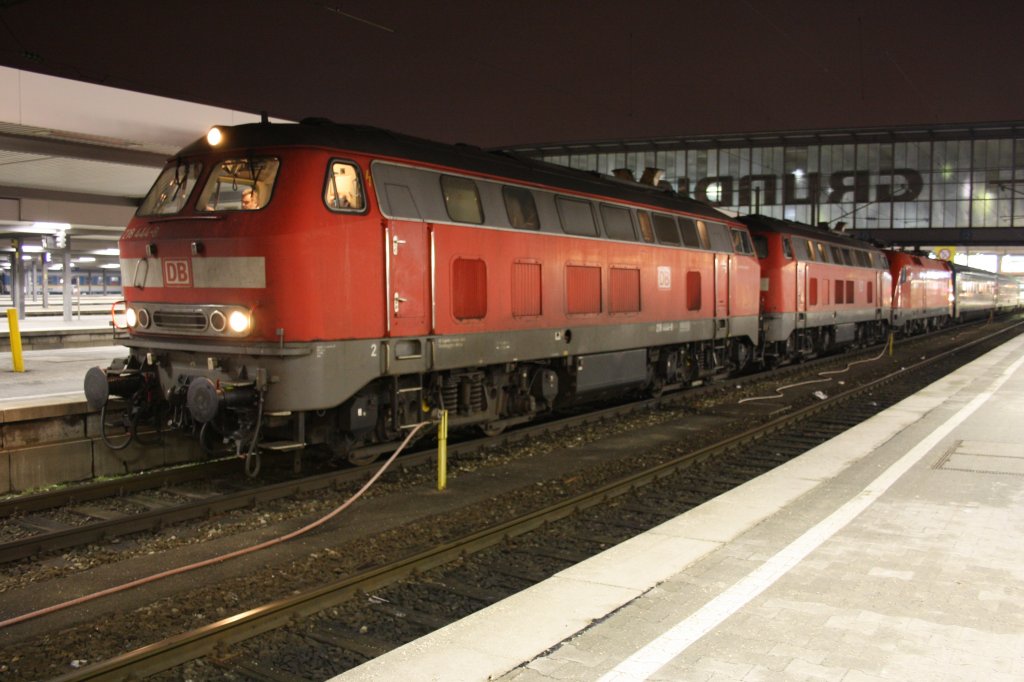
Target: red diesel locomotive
{"x":922,"y":293}
{"x":297,"y":284}
{"x":820,"y":290}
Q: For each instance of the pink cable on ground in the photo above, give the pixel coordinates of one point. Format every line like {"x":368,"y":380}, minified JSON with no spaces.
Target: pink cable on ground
{"x":223,"y":557}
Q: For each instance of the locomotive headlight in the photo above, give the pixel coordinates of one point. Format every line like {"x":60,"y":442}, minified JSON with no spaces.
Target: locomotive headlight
{"x":143,"y":316}
{"x":239,"y":321}
{"x":131,"y":317}
{"x":218,"y":322}
{"x":214,"y":137}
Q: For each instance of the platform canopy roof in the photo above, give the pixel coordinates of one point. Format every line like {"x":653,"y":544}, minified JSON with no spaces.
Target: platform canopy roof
{"x":77,"y":158}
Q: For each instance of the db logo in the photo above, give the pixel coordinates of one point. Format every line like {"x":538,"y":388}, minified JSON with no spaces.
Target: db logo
{"x":177,"y":272}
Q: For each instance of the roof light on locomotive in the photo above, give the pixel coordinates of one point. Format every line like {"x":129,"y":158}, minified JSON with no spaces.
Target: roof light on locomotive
{"x":214,"y":136}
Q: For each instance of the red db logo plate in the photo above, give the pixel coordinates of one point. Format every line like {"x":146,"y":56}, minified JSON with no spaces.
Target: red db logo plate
{"x":177,"y":272}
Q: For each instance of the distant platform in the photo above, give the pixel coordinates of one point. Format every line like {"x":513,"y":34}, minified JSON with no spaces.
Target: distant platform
{"x":45,"y":328}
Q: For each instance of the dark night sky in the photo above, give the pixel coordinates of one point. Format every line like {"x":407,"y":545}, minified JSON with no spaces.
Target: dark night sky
{"x":508,"y":73}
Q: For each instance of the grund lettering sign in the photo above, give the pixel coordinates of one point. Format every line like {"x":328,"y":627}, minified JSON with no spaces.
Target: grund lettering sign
{"x":843,"y":186}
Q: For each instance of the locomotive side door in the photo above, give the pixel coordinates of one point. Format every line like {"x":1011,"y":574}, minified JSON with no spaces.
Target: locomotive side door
{"x":407,"y":259}
{"x":801,"y":293}
{"x":722,"y":265}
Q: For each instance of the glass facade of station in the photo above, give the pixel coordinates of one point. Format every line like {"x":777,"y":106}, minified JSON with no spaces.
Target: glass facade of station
{"x":965,"y":177}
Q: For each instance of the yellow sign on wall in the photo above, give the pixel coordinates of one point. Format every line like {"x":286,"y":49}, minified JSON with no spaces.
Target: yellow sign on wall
{"x":945,"y":252}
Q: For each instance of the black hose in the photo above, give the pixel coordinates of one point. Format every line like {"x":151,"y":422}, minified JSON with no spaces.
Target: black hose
{"x":131,"y":429}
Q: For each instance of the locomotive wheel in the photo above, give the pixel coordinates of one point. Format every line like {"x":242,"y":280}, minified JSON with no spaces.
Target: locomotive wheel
{"x":492,"y":429}
{"x":361,"y":458}
{"x":687,"y":367}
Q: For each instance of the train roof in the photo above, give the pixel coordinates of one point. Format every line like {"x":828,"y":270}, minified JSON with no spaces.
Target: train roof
{"x":764,"y":223}
{"x":508,"y":165}
{"x":974,"y":271}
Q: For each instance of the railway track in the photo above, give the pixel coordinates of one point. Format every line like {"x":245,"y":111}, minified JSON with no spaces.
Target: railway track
{"x":324,"y":631}
{"x":74,"y":516}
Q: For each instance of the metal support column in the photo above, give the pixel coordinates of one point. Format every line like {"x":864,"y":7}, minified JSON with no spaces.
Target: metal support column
{"x":18,"y":280}
{"x":67,"y":280}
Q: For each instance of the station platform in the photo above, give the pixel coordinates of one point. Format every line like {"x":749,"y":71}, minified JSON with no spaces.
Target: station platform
{"x":55,"y":371}
{"x":46,"y":328}
{"x":48,"y":433}
{"x":891,"y":552}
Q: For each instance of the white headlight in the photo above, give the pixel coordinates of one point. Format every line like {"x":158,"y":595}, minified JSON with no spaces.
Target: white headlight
{"x":238,"y":321}
{"x":214,"y":136}
{"x":132,"y":317}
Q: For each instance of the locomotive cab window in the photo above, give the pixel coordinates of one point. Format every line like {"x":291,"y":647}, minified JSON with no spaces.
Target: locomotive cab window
{"x":521,"y":208}
{"x":462,"y":200}
{"x":803,"y":249}
{"x":741,"y":242}
{"x":719,"y":235}
{"x":239,"y":185}
{"x":761,"y":247}
{"x":343,"y":190}
{"x":171,"y":190}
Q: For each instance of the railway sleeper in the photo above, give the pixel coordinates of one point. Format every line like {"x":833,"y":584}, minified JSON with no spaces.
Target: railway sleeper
{"x":258,"y":671}
{"x":463,"y":589}
{"x":414,"y":616}
{"x":565,"y":555}
{"x":365,"y":646}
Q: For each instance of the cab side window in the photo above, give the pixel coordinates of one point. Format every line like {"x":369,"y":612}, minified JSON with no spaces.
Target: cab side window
{"x":741,"y":242}
{"x":462,"y":200}
{"x":344,"y":191}
{"x":521,"y":208}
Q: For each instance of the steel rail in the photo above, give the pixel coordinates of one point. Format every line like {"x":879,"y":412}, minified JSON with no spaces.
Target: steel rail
{"x":122,"y":485}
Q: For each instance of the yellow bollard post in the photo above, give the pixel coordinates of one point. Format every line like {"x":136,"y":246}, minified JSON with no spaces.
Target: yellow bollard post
{"x":442,"y":452}
{"x":891,"y":336}
{"x":12,"y":322}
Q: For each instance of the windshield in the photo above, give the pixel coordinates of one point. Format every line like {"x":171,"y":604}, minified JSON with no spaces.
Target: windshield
{"x":239,"y":185}
{"x":171,"y":190}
